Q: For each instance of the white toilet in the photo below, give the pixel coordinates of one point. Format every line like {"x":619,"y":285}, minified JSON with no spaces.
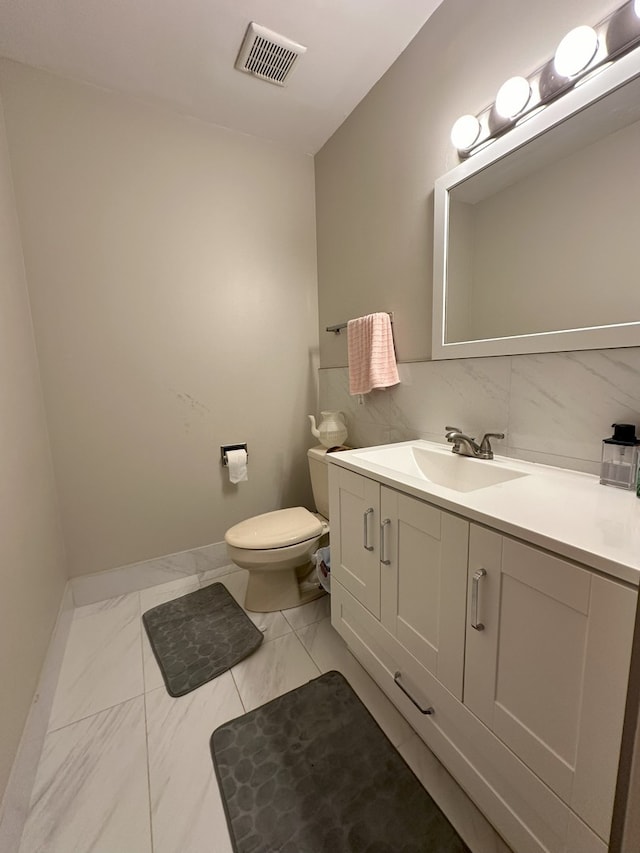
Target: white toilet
{"x":276,"y":547}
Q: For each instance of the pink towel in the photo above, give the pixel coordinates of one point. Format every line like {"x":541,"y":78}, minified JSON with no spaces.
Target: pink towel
{"x":372,"y":360}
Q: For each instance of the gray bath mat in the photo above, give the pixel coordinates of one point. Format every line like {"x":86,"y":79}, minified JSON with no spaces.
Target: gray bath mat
{"x":311,"y":772}
{"x":199,"y":636}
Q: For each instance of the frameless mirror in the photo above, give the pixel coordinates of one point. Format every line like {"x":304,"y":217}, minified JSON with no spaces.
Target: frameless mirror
{"x":536,"y":235}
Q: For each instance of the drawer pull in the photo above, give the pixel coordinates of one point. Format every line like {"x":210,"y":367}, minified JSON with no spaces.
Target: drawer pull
{"x":383,"y":542}
{"x":422,"y":710}
{"x":474,"y":599}
{"x":367,"y":513}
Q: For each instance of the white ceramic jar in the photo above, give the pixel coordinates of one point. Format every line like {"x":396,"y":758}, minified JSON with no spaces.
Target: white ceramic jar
{"x":332,"y":430}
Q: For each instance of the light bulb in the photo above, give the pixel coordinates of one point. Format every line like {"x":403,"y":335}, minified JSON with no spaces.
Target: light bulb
{"x":513,"y":96}
{"x":576,"y":50}
{"x":465,"y":132}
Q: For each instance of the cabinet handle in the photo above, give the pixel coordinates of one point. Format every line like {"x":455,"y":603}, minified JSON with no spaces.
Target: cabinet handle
{"x":383,"y":542}
{"x":422,"y":710}
{"x":366,"y":529}
{"x":474,"y":599}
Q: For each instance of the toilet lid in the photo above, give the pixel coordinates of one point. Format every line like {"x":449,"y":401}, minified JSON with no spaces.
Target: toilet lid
{"x":275,"y":529}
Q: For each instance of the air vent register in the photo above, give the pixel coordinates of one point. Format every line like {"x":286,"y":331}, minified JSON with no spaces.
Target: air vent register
{"x":268,"y":55}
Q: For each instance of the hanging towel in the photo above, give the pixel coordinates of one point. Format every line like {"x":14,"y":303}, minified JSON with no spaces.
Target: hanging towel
{"x":372,"y":360}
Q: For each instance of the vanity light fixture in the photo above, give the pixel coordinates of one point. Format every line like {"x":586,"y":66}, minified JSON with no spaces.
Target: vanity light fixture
{"x":580,"y":53}
{"x":465,"y":132}
{"x":513,"y":96}
{"x":575,"y":51}
{"x":624,"y":28}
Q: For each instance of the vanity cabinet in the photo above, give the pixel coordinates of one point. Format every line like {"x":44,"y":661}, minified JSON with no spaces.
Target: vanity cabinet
{"x":354,"y":506}
{"x":422,"y":604}
{"x":547,"y":666}
{"x":510,"y":662}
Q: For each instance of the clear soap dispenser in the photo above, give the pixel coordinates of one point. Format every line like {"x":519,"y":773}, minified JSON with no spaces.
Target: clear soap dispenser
{"x":620,"y":457}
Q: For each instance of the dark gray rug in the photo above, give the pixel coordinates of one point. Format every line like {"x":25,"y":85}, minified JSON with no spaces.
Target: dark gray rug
{"x":312,"y":772}
{"x":199,"y":636}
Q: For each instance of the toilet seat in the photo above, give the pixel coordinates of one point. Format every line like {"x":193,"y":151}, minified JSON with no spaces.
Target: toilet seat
{"x":273,"y":530}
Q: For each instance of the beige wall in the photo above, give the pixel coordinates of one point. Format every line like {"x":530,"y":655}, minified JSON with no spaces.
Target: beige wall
{"x":32,"y":564}
{"x":375,"y":176}
{"x":172,"y":276}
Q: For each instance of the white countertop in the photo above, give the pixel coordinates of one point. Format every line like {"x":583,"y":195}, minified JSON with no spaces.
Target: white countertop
{"x":566,"y":512}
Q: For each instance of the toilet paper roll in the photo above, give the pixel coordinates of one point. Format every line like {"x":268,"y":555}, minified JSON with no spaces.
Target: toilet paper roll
{"x":237,"y":465}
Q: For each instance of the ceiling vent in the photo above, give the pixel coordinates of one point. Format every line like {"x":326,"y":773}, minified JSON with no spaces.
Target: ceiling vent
{"x":268,"y":55}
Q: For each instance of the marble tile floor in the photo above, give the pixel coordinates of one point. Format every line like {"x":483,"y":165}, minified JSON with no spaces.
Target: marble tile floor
{"x":125,"y":768}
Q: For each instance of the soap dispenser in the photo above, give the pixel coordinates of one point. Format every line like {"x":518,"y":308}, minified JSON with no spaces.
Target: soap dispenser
{"x":620,"y":457}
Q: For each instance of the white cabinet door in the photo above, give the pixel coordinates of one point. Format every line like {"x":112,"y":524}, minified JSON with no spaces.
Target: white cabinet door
{"x":547,"y":666}
{"x":355,"y":535}
{"x":423,"y":580}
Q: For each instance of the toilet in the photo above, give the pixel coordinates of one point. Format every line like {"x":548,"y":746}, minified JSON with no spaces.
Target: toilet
{"x":276,"y":547}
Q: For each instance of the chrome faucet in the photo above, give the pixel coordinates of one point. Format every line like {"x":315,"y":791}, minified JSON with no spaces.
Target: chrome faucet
{"x":467,"y":446}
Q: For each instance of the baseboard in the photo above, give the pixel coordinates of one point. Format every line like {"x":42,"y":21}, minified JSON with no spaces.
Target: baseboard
{"x":15,"y":802}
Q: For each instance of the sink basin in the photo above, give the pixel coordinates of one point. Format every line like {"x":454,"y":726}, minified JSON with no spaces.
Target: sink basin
{"x":442,"y":467}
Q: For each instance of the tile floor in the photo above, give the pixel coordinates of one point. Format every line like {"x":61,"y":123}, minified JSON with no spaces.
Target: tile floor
{"x":125,"y":768}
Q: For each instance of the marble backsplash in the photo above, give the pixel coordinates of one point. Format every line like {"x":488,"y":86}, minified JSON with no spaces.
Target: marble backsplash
{"x":554,"y":408}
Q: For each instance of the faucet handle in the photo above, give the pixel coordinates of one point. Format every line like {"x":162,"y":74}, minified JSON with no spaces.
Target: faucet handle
{"x":485,"y":444}
{"x":450,"y":432}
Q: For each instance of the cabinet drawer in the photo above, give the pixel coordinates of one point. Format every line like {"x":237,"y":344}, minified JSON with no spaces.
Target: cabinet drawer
{"x":524,"y":810}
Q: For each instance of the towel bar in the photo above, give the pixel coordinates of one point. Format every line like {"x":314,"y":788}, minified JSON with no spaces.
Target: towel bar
{"x":338,"y":327}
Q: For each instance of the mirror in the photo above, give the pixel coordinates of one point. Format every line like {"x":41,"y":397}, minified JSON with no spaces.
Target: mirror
{"x":536,"y":235}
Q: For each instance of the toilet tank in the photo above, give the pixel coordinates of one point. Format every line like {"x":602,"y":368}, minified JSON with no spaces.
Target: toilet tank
{"x":319,"y":471}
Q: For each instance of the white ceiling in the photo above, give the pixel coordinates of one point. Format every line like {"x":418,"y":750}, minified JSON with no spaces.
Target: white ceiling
{"x":182,"y":53}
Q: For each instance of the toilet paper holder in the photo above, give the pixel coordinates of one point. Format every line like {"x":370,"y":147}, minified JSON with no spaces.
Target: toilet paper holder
{"x":226,"y":447}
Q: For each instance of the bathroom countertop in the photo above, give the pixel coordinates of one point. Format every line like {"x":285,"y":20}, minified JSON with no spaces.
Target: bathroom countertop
{"x":566,"y":512}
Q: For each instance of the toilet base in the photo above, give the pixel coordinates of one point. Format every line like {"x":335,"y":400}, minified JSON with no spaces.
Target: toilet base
{"x":277,"y":589}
